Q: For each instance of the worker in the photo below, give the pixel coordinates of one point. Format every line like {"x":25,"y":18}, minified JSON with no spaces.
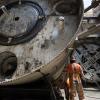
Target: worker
{"x":74,"y":75}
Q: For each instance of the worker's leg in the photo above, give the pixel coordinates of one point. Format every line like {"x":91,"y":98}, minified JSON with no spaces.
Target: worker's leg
{"x":66,"y":88}
{"x":73,"y":92}
{"x":80,"y":91}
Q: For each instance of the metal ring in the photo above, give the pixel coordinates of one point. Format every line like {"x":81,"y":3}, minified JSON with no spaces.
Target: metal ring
{"x":25,"y":37}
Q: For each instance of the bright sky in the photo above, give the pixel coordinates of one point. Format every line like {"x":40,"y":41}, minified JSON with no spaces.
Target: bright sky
{"x":87,"y":3}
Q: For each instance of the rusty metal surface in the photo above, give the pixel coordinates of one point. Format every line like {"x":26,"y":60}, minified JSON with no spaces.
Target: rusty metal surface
{"x":46,"y":53}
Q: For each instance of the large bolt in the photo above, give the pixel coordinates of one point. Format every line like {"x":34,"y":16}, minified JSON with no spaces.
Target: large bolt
{"x":4,"y":9}
{"x":9,"y":40}
{"x":20,"y":2}
{"x":40,"y":17}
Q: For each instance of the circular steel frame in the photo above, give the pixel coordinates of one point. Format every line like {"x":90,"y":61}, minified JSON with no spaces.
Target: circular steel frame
{"x":8,"y":64}
{"x":25,"y":37}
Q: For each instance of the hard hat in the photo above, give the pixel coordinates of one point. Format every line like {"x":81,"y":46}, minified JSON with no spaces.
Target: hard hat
{"x":73,"y":59}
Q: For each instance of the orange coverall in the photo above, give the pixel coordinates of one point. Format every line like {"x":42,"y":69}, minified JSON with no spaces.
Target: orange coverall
{"x":74,"y":73}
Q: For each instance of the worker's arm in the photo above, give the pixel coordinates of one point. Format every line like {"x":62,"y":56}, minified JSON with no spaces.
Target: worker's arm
{"x":67,"y":72}
{"x":81,"y":72}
